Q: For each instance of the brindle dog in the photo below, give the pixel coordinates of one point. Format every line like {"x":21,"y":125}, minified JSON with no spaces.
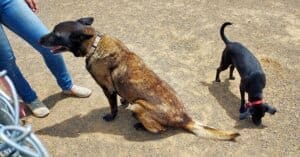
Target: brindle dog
{"x":121,"y":72}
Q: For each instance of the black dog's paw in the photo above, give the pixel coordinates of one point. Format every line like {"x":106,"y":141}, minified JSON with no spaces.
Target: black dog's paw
{"x":231,"y":78}
{"x":109,"y":117}
{"x":217,"y":80}
{"x":139,"y":126}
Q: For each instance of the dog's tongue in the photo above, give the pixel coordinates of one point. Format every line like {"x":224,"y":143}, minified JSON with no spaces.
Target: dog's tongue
{"x":55,"y":48}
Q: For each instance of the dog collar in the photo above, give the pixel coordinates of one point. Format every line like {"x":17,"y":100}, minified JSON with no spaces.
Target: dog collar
{"x":254,"y":103}
{"x":95,"y":44}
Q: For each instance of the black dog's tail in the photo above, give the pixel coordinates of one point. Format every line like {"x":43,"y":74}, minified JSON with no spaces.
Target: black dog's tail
{"x":226,"y":41}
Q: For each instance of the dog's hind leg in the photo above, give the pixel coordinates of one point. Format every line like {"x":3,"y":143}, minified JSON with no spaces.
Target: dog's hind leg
{"x":150,"y":124}
{"x":225,"y":62}
{"x":231,"y":77}
{"x":220,"y":69}
{"x":141,"y":109}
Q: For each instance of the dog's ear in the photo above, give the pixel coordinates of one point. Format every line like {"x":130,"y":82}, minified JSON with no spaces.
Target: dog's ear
{"x":86,"y":20}
{"x":269,"y":108}
{"x":79,"y":36}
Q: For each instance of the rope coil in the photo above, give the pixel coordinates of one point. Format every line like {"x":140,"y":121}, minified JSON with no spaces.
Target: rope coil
{"x":15,"y":140}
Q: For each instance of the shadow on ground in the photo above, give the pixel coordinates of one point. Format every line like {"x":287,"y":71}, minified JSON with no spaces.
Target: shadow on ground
{"x":93,"y":123}
{"x":51,"y":101}
{"x":230,"y":103}
{"x":123,"y":124}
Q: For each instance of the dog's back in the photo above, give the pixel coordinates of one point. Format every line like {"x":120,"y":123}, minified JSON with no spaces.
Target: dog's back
{"x":245,"y":62}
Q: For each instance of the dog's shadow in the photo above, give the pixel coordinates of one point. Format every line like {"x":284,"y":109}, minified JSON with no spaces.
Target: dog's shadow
{"x":230,"y":103}
{"x":93,"y":123}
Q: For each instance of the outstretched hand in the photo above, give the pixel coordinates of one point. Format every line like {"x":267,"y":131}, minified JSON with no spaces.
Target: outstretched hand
{"x":33,"y":4}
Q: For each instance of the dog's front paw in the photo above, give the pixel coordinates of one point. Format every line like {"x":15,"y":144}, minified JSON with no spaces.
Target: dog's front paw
{"x":109,"y":117}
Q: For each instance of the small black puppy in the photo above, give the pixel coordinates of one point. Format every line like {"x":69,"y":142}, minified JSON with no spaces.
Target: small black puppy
{"x":253,"y":79}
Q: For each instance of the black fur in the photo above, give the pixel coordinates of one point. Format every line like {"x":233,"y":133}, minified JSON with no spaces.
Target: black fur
{"x":68,"y":36}
{"x":253,"y":79}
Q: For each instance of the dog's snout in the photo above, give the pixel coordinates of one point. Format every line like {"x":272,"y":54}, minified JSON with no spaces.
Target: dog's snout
{"x":45,"y":40}
{"x":41,"y":40}
{"x":272,"y":110}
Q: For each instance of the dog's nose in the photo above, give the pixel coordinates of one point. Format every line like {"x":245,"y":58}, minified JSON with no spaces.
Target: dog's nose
{"x":270,"y":109}
{"x":44,"y":40}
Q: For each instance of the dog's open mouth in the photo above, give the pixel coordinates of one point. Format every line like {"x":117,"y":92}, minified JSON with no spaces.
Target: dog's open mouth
{"x":58,"y":49}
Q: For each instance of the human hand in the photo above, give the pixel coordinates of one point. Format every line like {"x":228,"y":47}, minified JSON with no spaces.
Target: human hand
{"x":33,"y":4}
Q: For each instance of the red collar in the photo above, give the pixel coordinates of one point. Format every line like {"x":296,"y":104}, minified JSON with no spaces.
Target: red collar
{"x":254,"y":103}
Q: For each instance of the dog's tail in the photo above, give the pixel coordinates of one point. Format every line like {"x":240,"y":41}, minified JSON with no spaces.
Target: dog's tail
{"x":226,"y":41}
{"x":208,"y":132}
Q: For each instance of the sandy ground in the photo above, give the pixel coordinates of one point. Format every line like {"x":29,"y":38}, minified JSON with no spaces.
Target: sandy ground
{"x":180,"y":41}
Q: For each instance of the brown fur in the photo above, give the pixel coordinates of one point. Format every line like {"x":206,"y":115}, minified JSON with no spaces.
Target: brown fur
{"x":154,"y":102}
{"x":121,"y":72}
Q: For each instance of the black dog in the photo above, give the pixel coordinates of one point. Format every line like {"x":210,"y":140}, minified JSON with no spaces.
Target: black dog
{"x":253,"y":79}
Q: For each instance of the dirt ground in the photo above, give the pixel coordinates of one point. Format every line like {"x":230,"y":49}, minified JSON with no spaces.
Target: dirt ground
{"x":180,"y":41}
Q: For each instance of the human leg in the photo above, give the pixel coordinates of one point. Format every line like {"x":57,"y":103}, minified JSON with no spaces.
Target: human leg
{"x":8,"y":63}
{"x":19,"y":18}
